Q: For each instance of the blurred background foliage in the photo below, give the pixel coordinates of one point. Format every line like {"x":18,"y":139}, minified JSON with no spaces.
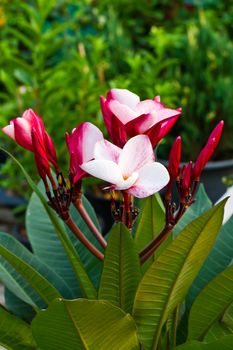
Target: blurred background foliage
{"x":59,"y":56}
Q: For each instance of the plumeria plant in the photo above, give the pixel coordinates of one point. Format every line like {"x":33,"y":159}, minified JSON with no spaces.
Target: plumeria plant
{"x":160,"y":279}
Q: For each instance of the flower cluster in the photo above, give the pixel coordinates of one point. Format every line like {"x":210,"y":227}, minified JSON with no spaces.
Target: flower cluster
{"x":126,"y":164}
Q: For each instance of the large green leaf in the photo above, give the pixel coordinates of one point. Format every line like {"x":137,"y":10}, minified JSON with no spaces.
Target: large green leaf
{"x":85,"y":283}
{"x":219,"y":258}
{"x":166,"y":282}
{"x":225,"y":343}
{"x":121,"y":271}
{"x":219,"y":330}
{"x":18,"y":273}
{"x":150,"y":222}
{"x":44,"y":239}
{"x":15,"y":334}
{"x":18,"y":307}
{"x":211,"y":304}
{"x":84,"y":324}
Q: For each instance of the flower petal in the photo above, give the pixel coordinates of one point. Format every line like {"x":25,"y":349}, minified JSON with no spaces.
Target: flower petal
{"x":125,"y":184}
{"x":23,"y":131}
{"x":82,"y":141}
{"x":137,"y":152}
{"x":124,"y":96}
{"x":148,"y":106}
{"x":107,"y":150}
{"x":9,"y":130}
{"x":152,"y":178}
{"x":104,"y":169}
{"x":123,"y":112}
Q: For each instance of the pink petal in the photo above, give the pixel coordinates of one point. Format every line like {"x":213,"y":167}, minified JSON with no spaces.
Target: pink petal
{"x":122,"y":111}
{"x":107,"y":150}
{"x":159,"y":130}
{"x":9,"y":130}
{"x":139,"y":125}
{"x":165,"y":113}
{"x":82,"y":141}
{"x":137,"y":152}
{"x":152,"y":178}
{"x":124,"y":96}
{"x":148,"y":106}
{"x":104,"y":169}
{"x":107,"y":115}
{"x":23,"y":131}
{"x":34,"y":120}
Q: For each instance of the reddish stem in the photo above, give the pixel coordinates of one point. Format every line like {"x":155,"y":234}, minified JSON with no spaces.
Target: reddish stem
{"x":78,"y":233}
{"x":82,"y":211}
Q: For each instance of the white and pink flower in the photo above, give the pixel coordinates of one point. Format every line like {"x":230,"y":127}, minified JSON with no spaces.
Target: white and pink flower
{"x":132,"y":169}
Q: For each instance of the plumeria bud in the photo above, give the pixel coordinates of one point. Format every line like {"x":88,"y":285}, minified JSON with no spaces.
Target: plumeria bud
{"x":41,"y":159}
{"x":186,"y":179}
{"x":174,"y":159}
{"x":208,"y":150}
{"x":125,"y":115}
{"x":20,"y":130}
{"x":80,"y":145}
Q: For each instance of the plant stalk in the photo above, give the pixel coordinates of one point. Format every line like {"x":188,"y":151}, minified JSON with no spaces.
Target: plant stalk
{"x":78,"y":233}
{"x":82,"y":211}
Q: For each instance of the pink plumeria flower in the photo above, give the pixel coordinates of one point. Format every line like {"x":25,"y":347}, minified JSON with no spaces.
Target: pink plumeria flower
{"x":132,"y":168}
{"x":80,"y":145}
{"x":125,"y":115}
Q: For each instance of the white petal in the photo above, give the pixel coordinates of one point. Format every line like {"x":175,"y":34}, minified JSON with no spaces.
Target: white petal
{"x":128,"y":182}
{"x":152,"y":178}
{"x":104,"y":169}
{"x":9,"y":130}
{"x":136,"y":153}
{"x":125,"y":97}
{"x":107,"y":150}
{"x":122,"y":111}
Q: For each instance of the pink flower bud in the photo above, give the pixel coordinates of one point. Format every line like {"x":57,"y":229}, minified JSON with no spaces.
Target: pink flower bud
{"x":208,"y":150}
{"x":174,"y":159}
{"x":186,"y":179}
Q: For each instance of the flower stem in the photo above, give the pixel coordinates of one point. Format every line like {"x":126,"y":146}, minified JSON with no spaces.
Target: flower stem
{"x":82,"y":211}
{"x":78,"y":233}
{"x":147,"y":252}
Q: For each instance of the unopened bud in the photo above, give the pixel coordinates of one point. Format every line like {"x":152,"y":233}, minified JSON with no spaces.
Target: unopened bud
{"x":208,"y":150}
{"x":174,"y":159}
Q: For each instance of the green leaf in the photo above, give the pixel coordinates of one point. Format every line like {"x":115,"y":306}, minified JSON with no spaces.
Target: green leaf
{"x":150,"y":222}
{"x":219,"y":258}
{"x":166,"y":282}
{"x":218,"y":330}
{"x":84,"y":324}
{"x":43,"y":239}
{"x":225,"y":343}
{"x":211,"y":304}
{"x":18,"y":307}
{"x":121,"y":271}
{"x":16,"y":271}
{"x":86,"y":285}
{"x":15,"y":333}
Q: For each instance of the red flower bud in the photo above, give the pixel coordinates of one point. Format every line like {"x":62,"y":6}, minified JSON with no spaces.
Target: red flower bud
{"x":186,"y":180}
{"x":174,"y":159}
{"x":208,"y":150}
{"x":41,"y":159}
